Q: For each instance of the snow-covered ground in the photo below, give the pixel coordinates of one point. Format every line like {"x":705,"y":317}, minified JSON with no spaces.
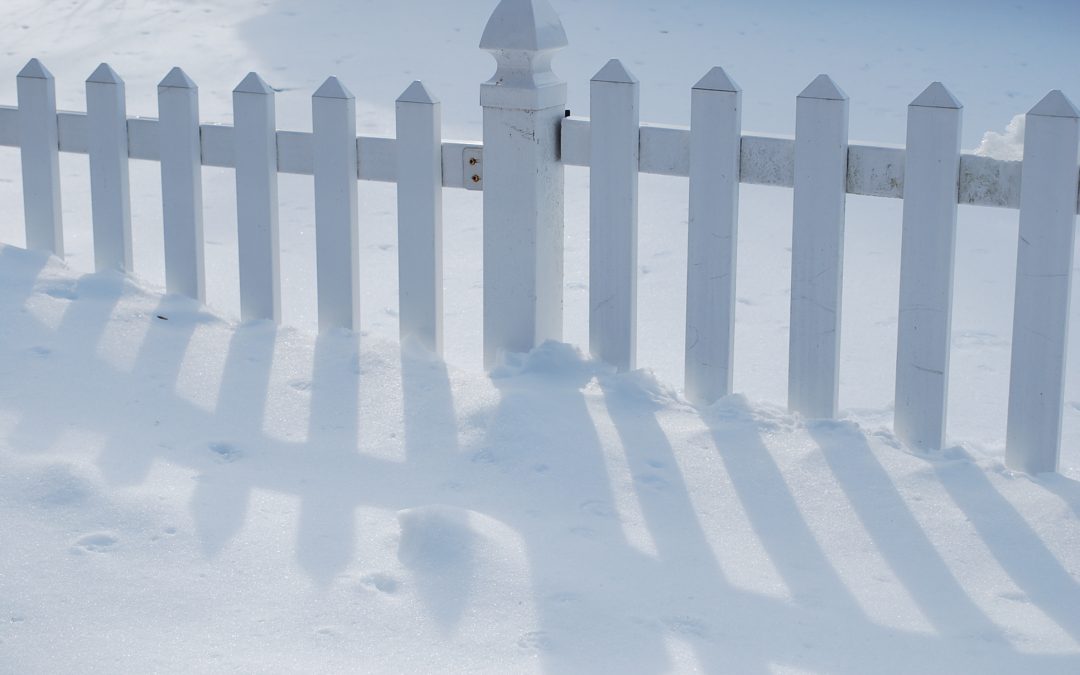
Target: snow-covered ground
{"x":179,"y":493}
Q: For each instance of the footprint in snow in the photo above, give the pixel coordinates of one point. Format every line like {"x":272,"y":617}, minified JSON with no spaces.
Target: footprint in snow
{"x":99,"y":542}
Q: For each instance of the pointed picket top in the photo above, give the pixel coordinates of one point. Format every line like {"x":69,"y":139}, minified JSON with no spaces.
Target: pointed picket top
{"x":177,"y":79}
{"x":937,"y":95}
{"x":523,"y":25}
{"x":824,"y":88}
{"x":1055,"y":104}
{"x":104,"y":74}
{"x":615,"y":71}
{"x":333,"y":88}
{"x":717,"y":79}
{"x":35,"y":70}
{"x":253,"y":84}
{"x":417,"y":93}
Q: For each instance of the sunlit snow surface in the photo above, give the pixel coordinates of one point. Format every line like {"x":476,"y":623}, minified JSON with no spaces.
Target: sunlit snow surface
{"x":179,"y":494}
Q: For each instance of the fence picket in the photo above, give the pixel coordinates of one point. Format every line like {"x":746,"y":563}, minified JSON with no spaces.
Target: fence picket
{"x":419,"y":198}
{"x":333,"y":110}
{"x":931,"y":183}
{"x":715,"y":128}
{"x":255,"y":141}
{"x":613,"y":216}
{"x":107,"y":145}
{"x":181,"y":184}
{"x":817,"y":248}
{"x":40,"y":148}
{"x":1048,"y":196}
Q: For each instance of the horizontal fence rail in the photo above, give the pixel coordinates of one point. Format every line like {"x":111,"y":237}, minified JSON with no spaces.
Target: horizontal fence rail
{"x":529,"y":139}
{"x":873,"y":170}
{"x":376,"y":157}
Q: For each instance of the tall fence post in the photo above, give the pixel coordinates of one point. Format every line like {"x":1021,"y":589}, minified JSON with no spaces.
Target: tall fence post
{"x":1048,"y":201}
{"x":179,"y":139}
{"x":924,"y":325}
{"x":524,"y":104}
{"x":715,"y":141}
{"x":107,"y":144}
{"x":255,"y":141}
{"x":817,"y":248}
{"x":39,"y":145}
{"x":613,"y":215}
{"x":419,"y":197}
{"x":333,"y":110}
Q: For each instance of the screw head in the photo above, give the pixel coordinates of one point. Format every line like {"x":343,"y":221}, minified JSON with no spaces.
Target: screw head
{"x":475,"y":178}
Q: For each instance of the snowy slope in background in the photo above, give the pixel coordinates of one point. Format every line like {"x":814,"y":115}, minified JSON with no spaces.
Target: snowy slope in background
{"x":180,"y":494}
{"x":184,"y":494}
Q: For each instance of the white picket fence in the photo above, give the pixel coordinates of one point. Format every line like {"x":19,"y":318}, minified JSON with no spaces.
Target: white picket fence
{"x":528,"y":139}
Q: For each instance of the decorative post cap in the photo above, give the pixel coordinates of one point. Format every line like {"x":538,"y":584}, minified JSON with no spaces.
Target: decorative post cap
{"x":104,"y":74}
{"x":717,"y":79}
{"x":177,"y":79}
{"x":333,"y":88}
{"x":523,"y":36}
{"x":936,"y":95}
{"x":417,"y":93}
{"x":35,"y":70}
{"x":823,"y":88}
{"x":523,"y":25}
{"x":253,"y":84}
{"x":1055,"y":104}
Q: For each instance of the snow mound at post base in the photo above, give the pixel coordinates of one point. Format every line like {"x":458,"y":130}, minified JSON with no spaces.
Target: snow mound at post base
{"x":180,"y":493}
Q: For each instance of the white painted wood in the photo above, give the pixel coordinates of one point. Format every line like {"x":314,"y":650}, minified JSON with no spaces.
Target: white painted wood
{"x":817,"y":248}
{"x":613,"y":216}
{"x":524,"y":103}
{"x":107,"y":145}
{"x":715,"y":128}
{"x":336,"y":243}
{"x":40,"y":146}
{"x":1043,"y":284}
{"x":419,"y":198}
{"x":255,"y":143}
{"x":181,"y":185}
{"x":931,"y":180}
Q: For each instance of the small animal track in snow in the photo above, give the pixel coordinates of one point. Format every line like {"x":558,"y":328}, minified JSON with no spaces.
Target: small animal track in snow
{"x":687,"y":625}
{"x":225,"y":452}
{"x":536,"y":641}
{"x":595,"y":507}
{"x":382,"y":582}
{"x":652,"y":480}
{"x":301,"y":385}
{"x":98,"y":542}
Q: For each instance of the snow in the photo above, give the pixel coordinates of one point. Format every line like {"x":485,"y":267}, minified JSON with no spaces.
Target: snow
{"x":1008,"y":144}
{"x":182,"y":493}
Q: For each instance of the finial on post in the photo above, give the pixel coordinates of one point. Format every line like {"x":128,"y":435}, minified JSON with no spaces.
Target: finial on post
{"x":523,"y":36}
